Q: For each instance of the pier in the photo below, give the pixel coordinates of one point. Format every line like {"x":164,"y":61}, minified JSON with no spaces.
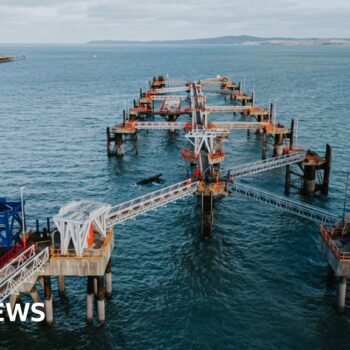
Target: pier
{"x":82,"y":241}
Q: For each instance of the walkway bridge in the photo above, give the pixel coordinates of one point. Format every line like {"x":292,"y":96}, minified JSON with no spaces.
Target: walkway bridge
{"x":267,"y":164}
{"x":21,"y":270}
{"x":292,"y":206}
{"x":151,"y":201}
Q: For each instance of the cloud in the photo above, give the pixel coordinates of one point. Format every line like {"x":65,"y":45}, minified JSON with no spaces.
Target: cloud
{"x":80,"y":21}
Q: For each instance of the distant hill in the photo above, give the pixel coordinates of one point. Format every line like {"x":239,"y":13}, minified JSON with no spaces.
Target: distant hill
{"x":230,"y":40}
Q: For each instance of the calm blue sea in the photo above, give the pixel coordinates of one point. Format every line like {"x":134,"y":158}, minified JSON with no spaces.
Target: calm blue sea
{"x":260,"y":283}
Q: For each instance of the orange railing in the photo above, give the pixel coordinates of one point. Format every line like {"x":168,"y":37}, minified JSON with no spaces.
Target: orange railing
{"x":341,"y":256}
{"x":217,"y":157}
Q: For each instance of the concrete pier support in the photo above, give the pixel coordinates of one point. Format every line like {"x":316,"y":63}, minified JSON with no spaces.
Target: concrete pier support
{"x":90,"y":299}
{"x":278,"y":146}
{"x":61,"y":285}
{"x":95,"y":286}
{"x":341,"y":294}
{"x":48,"y":300}
{"x":35,"y":295}
{"x":309,"y":185}
{"x":207,"y":216}
{"x":119,"y":145}
{"x":109,"y":279}
{"x":101,"y":299}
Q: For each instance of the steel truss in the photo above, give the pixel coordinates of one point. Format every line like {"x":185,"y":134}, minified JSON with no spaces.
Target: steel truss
{"x":151,"y":201}
{"x":23,"y":273}
{"x":267,"y":164}
{"x":292,"y":206}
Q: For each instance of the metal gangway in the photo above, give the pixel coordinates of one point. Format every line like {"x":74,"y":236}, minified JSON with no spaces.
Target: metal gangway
{"x":292,"y":206}
{"x":159,"y":125}
{"x":21,"y":269}
{"x":216,"y":91}
{"x":227,"y":109}
{"x":140,"y":205}
{"x":222,"y":126}
{"x":169,"y":90}
{"x":267,"y":164}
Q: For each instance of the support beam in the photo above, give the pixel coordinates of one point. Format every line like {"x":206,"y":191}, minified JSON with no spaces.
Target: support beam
{"x":100,"y":299}
{"x":309,"y":185}
{"x":119,"y":145}
{"x":263,"y":147}
{"x":108,"y":137}
{"x":48,"y":300}
{"x":341,"y":294}
{"x":90,"y":299}
{"x":109,"y":279}
{"x":327,"y":170}
{"x":287,"y":181}
{"x":61,"y":285}
{"x":207,"y":216}
{"x":35,"y":295}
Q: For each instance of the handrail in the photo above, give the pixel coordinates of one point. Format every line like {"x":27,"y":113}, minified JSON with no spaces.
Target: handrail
{"x":298,"y":208}
{"x":11,"y":253}
{"x":268,"y":164}
{"x":88,"y":252}
{"x":140,"y":205}
{"x":19,"y":260}
{"x":341,"y":256}
{"x":23,"y":273}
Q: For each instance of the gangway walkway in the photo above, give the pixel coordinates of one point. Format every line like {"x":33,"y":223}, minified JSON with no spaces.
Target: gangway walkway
{"x":151,"y":201}
{"x":295,"y":207}
{"x":28,"y":264}
{"x":267,"y":164}
{"x":169,"y":90}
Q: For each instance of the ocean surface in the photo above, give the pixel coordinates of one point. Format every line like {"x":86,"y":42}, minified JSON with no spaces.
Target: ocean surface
{"x":260,"y":282}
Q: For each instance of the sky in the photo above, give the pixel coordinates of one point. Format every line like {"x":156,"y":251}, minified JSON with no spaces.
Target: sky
{"x":78,"y":21}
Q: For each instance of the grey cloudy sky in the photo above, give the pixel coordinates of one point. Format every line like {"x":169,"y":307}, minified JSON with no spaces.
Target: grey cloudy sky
{"x":75,"y":21}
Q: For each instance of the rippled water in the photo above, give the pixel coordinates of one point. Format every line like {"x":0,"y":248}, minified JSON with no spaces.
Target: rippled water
{"x":260,"y":282}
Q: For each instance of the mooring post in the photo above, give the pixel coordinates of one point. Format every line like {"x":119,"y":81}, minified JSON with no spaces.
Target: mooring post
{"x":90,"y":299}
{"x":287,"y":181}
{"x":48,"y":300}
{"x":101,"y":299}
{"x":326,"y":170}
{"x":61,"y":286}
{"x":35,"y":295}
{"x":291,"y":134}
{"x":207,"y":216}
{"x":109,"y":279}
{"x":108,"y":136}
{"x":342,"y":294}
{"x":263,"y":146}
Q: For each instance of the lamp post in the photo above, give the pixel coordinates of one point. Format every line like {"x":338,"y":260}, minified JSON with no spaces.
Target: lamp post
{"x":23,"y":224}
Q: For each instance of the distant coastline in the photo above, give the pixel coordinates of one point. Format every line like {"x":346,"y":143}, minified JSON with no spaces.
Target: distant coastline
{"x":231,"y":40}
